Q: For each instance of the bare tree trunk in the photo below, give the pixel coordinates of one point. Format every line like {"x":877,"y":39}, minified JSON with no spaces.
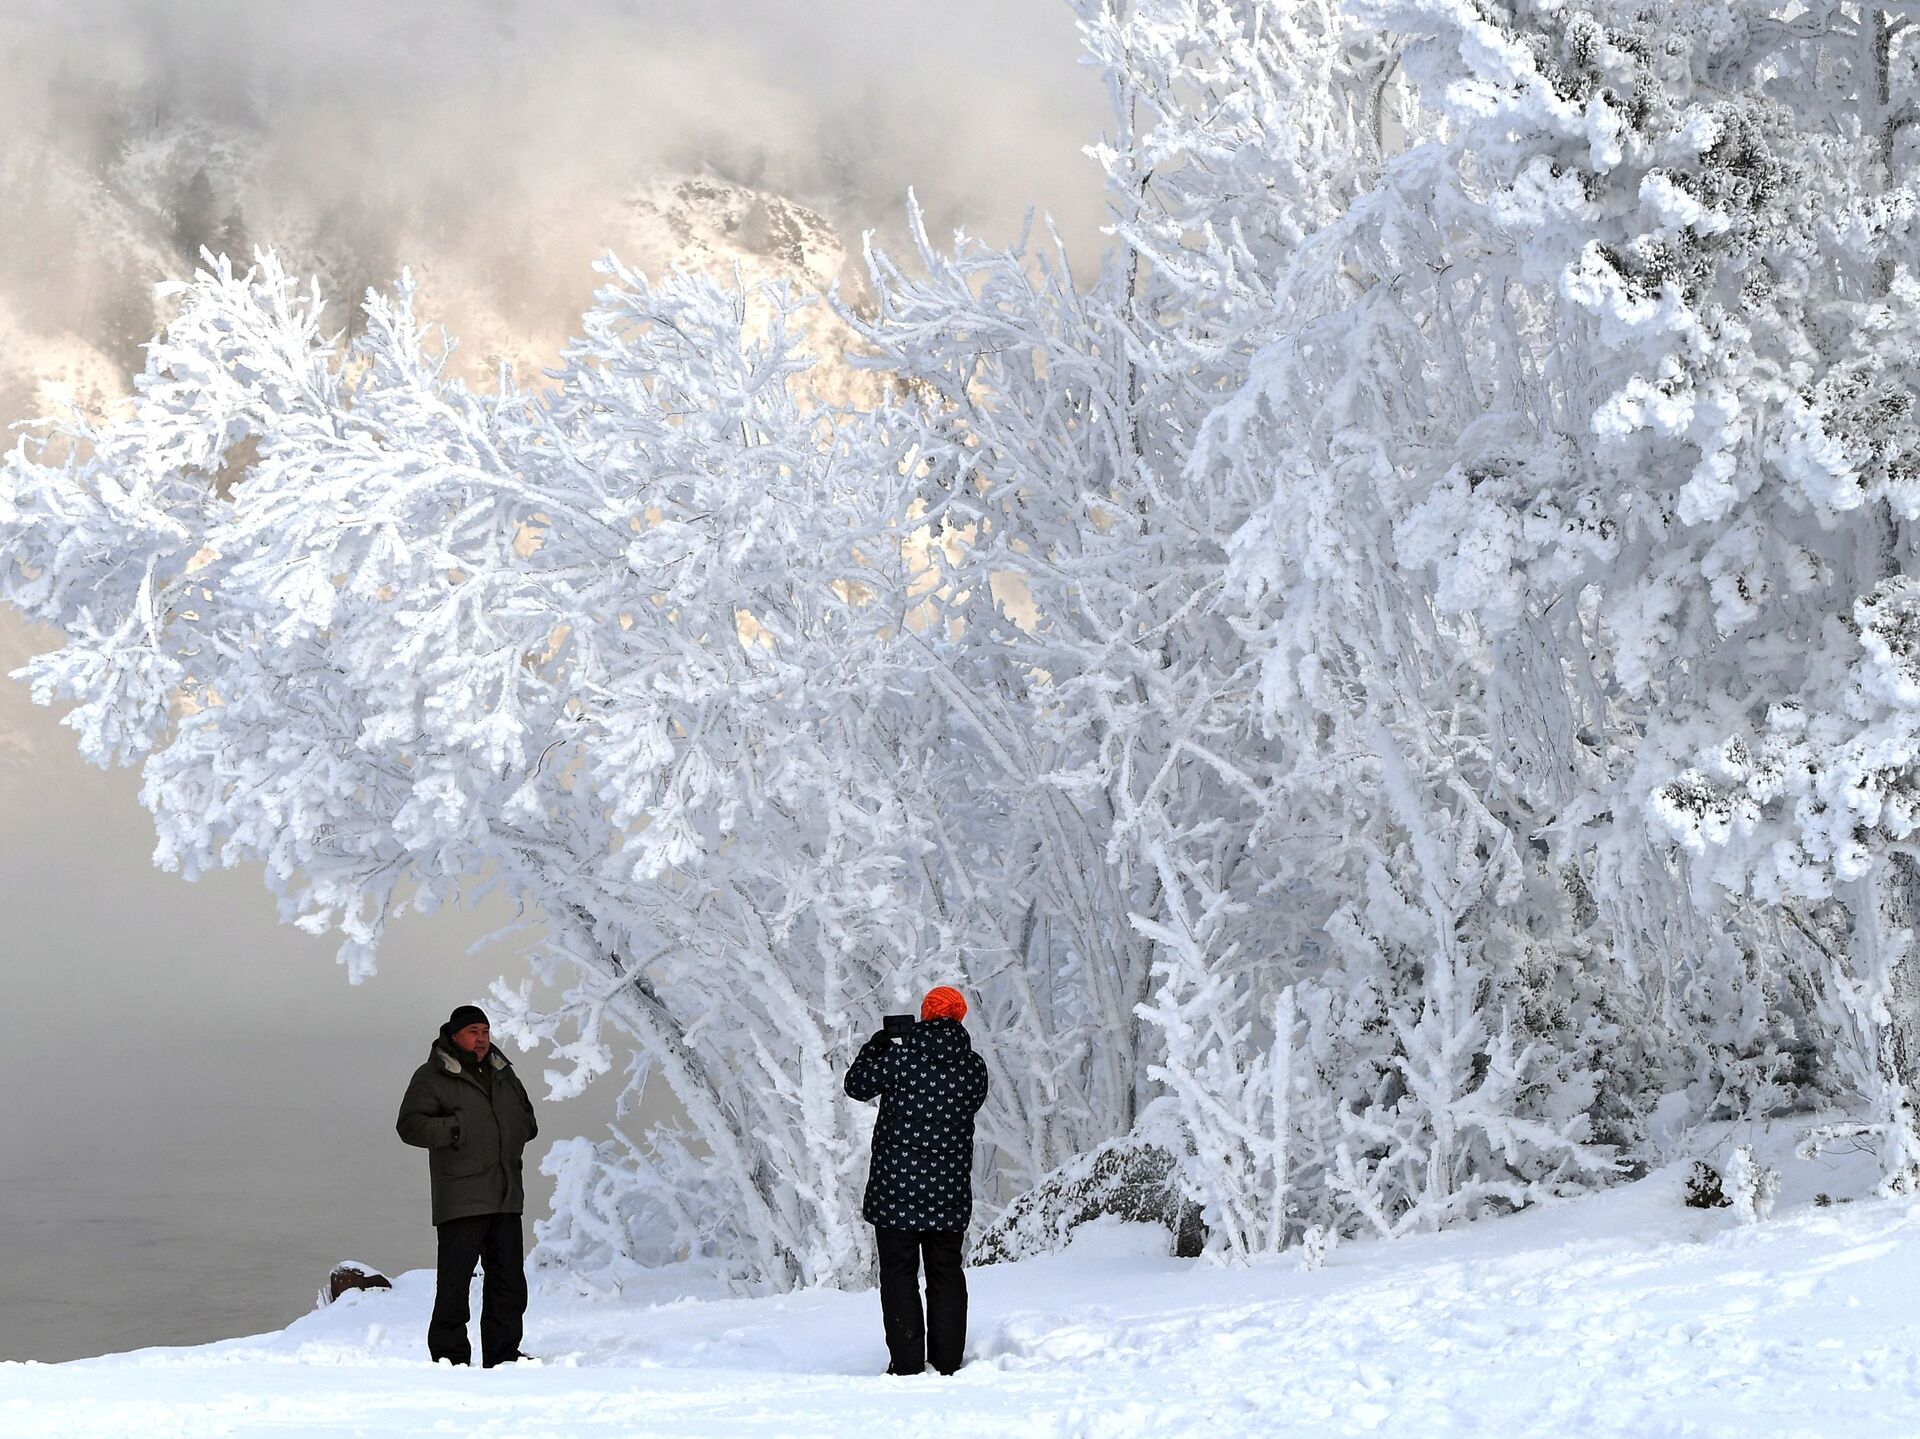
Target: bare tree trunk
{"x":1888,"y":962}
{"x":1885,"y":120}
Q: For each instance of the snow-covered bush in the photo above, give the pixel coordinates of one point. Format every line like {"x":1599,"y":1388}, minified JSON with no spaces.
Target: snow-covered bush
{"x":1704,"y":1189}
{"x":1135,"y":1179}
{"x":1750,"y":1186}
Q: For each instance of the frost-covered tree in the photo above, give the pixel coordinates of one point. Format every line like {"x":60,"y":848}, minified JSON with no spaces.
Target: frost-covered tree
{"x":1580,"y":376}
{"x":612,"y":649}
{"x":1069,"y":425}
{"x":1049,"y":415}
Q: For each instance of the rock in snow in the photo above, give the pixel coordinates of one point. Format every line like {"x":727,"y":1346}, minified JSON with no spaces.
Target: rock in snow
{"x":349,"y":1274}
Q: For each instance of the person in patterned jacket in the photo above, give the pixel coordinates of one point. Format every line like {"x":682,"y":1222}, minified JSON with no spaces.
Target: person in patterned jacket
{"x":930,"y":1084}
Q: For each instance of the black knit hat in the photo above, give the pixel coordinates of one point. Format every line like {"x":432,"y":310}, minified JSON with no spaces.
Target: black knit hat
{"x":467,"y":1014}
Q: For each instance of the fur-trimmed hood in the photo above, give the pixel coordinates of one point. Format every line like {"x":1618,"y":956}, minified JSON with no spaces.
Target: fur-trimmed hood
{"x":450,"y":1057}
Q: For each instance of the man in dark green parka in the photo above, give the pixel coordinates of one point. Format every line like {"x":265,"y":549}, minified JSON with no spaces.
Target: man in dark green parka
{"x":467,"y":1108}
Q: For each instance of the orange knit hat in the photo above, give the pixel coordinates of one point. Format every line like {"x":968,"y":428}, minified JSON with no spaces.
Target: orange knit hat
{"x":943,"y":1003}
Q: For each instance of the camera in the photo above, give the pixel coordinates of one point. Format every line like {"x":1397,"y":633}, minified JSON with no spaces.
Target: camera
{"x":898,"y":1026}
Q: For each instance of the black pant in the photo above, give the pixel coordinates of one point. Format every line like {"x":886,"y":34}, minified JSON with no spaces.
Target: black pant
{"x":941,"y":1337}
{"x":494,"y":1241}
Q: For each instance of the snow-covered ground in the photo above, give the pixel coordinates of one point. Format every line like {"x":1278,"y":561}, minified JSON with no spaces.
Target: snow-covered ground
{"x":1622,"y":1314}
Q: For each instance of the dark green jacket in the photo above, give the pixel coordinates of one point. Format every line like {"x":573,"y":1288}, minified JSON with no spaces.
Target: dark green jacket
{"x":473,"y":1130}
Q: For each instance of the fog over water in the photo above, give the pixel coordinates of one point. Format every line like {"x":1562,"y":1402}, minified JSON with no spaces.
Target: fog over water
{"x":198,"y":1109}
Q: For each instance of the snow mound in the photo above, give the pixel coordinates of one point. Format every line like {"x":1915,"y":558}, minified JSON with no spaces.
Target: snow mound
{"x":1625,"y":1313}
{"x":1109,"y":1237}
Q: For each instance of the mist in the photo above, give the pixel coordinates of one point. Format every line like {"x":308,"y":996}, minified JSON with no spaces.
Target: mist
{"x":489,"y":144}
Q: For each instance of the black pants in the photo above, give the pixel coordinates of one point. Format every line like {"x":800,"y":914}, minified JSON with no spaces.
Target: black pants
{"x":940,"y":1337}
{"x":494,"y":1241}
